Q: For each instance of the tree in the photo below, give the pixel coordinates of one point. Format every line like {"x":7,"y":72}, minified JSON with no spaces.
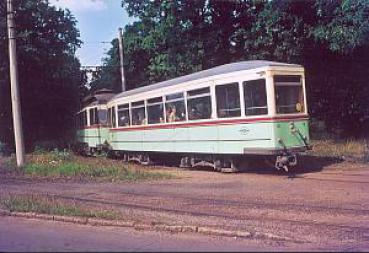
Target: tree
{"x":329,"y":38}
{"x":49,"y":73}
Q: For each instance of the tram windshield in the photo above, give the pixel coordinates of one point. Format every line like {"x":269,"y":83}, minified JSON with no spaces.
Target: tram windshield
{"x":102,"y":115}
{"x":289,"y":94}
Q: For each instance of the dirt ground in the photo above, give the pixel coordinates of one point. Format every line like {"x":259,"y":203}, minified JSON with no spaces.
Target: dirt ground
{"x":324,"y":203}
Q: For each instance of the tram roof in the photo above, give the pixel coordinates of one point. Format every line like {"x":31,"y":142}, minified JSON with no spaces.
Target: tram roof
{"x":223,"y":69}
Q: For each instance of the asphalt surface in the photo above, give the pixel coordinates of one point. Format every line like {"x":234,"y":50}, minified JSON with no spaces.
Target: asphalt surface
{"x":321,"y":209}
{"x":28,"y":235}
{"x":19,"y":235}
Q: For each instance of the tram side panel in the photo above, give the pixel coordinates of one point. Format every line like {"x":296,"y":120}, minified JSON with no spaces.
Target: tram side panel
{"x":216,"y":139}
{"x":235,"y":139}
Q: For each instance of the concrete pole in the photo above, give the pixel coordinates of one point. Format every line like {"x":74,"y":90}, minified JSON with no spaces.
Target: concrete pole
{"x":17,"y":119}
{"x":120,"y":38}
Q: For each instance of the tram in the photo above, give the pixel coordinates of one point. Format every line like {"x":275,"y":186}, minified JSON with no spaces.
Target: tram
{"x":215,"y":117}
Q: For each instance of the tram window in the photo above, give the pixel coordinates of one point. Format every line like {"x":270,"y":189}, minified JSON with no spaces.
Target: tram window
{"x":289,"y":94}
{"x":175,"y":107}
{"x":123,"y":115}
{"x":111,"y":117}
{"x":228,"y":100}
{"x":93,"y":116}
{"x":155,"y":109}
{"x":255,"y":97}
{"x":138,"y":113}
{"x":96,"y":116}
{"x":102,"y":116}
{"x":199,"y":104}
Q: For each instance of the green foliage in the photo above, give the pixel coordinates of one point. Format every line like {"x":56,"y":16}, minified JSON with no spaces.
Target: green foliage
{"x":49,"y":73}
{"x":342,"y":24}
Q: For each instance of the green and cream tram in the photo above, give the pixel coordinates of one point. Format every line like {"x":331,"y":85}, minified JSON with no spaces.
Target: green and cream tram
{"x":214,"y":117}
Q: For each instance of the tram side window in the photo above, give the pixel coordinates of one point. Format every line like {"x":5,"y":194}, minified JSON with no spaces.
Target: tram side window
{"x":123,"y":115}
{"x":199,"y":104}
{"x":255,"y":97}
{"x":155,"y":110}
{"x":93,"y":116}
{"x":228,"y":100}
{"x":175,"y":107}
{"x":138,"y":113}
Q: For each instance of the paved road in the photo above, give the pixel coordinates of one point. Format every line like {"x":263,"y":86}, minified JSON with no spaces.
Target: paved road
{"x":327,"y":208}
{"x":19,"y":234}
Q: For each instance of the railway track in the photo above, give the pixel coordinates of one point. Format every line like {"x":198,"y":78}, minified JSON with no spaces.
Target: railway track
{"x":198,"y":213}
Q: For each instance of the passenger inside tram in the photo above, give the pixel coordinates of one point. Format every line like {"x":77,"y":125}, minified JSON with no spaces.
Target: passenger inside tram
{"x":171,"y":114}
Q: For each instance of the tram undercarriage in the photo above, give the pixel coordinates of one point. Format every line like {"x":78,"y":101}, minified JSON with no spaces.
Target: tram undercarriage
{"x":220,"y":163}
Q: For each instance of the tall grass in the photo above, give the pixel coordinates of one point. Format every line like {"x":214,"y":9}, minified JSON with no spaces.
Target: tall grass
{"x":349,"y":149}
{"x":64,"y":164}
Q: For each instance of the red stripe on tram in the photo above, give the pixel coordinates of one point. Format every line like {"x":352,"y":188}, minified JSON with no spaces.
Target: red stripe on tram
{"x":210,"y":123}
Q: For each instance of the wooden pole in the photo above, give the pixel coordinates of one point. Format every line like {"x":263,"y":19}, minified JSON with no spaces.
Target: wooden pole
{"x":120,"y":38}
{"x":16,"y":108}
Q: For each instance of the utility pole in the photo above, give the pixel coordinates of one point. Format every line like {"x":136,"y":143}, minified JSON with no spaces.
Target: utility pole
{"x":17,"y":119}
{"x":120,"y":38}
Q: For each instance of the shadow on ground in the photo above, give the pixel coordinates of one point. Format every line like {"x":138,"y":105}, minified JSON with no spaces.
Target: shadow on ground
{"x":262,"y":165}
{"x":306,"y":164}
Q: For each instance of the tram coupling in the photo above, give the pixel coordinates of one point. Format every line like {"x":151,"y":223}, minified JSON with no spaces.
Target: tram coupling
{"x":285,"y":161}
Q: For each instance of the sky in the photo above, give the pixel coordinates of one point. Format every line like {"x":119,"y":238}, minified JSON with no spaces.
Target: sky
{"x":98,"y":23}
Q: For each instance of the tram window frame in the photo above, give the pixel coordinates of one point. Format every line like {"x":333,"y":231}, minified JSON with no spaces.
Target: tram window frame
{"x":155,"y":110}
{"x":286,"y":84}
{"x":193,"y":98}
{"x":175,"y":101}
{"x":227,"y":106}
{"x":136,"y":107}
{"x":260,"y":108}
{"x":124,"y":111}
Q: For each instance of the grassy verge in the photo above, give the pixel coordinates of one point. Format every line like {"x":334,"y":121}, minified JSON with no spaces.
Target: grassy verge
{"x":346,"y":149}
{"x":53,"y":206}
{"x":60,"y":164}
